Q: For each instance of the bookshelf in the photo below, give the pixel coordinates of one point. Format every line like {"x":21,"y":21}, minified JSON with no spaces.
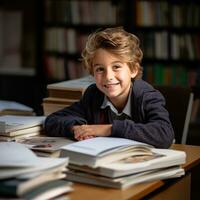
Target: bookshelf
{"x":67,"y":24}
{"x":169,"y":34}
{"x":21,"y":72}
{"x":17,"y":37}
{"x":53,"y":33}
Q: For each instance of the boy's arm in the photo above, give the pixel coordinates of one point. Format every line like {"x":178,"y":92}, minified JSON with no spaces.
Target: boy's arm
{"x":60,"y":122}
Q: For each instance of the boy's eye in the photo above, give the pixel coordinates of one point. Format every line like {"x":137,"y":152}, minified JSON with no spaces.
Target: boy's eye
{"x":99,"y":69}
{"x":116,"y":67}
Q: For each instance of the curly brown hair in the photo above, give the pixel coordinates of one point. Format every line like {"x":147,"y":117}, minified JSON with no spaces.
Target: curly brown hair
{"x":117,"y":41}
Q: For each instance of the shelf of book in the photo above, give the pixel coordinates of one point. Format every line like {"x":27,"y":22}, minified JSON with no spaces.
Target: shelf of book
{"x":169,"y":34}
{"x":67,"y":25}
{"x":168,"y":31}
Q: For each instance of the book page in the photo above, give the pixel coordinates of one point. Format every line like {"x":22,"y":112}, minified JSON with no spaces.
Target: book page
{"x":17,"y":159}
{"x":159,"y":158}
{"x":47,"y":144}
{"x":40,"y":164}
{"x":100,"y":145}
{"x":16,"y":155}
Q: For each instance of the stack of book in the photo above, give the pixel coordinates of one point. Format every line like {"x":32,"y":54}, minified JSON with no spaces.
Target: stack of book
{"x":13,"y":128}
{"x":120,"y":163}
{"x":24,"y":175}
{"x":14,"y":108}
{"x":65,"y":93}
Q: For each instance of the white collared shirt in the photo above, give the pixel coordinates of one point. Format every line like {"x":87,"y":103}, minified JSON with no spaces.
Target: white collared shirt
{"x":126,"y":110}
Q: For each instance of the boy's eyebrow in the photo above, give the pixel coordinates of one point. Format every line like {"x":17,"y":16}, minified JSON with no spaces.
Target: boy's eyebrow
{"x":97,"y":65}
{"x":115,"y":62}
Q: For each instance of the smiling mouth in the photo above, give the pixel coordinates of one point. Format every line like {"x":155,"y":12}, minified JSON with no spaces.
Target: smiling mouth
{"x":110,"y":85}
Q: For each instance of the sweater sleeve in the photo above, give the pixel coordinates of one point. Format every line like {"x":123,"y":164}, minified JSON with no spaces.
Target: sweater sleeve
{"x":154,"y":129}
{"x":59,"y":123}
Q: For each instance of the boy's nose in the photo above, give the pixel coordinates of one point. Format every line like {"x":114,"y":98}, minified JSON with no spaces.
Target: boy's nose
{"x":109,"y":75}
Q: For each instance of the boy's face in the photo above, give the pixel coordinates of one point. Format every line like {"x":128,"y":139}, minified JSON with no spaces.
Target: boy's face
{"x":112,"y":76}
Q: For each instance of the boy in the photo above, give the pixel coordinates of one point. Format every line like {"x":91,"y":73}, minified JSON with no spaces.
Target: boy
{"x":120,"y":104}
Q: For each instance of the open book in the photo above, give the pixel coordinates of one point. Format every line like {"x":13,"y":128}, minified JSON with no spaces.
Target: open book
{"x":120,"y":163}
{"x":25,"y":175}
{"x":101,"y":150}
{"x":160,"y":158}
{"x":45,"y":146}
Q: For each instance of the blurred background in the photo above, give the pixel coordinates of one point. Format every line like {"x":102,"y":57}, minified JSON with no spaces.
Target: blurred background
{"x":41,"y":41}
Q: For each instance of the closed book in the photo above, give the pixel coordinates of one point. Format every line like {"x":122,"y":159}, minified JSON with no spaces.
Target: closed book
{"x":34,"y":129}
{"x":14,"y":108}
{"x":20,"y":185}
{"x":49,"y":108}
{"x":71,"y":89}
{"x":125,"y":181}
{"x":19,"y":137}
{"x":47,"y":190}
{"x":11,"y":123}
{"x":58,"y":100}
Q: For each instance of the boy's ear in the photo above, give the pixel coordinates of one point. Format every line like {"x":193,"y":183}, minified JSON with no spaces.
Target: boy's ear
{"x":135,"y":71}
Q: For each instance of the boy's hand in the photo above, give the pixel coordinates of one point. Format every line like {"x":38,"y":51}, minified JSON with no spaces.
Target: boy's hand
{"x":82,"y":132}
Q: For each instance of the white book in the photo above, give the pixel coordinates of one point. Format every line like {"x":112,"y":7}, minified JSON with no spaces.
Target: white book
{"x":125,"y":181}
{"x":25,"y":131}
{"x":21,"y":185}
{"x":100,"y":150}
{"x":5,"y":138}
{"x":160,"y":158}
{"x":9,"y":123}
{"x":13,"y":106}
{"x":81,"y":83}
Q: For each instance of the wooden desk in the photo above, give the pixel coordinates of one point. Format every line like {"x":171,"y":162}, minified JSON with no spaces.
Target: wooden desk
{"x":181,"y":186}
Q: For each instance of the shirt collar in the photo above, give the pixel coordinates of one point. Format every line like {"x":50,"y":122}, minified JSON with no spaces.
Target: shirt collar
{"x":126,"y":110}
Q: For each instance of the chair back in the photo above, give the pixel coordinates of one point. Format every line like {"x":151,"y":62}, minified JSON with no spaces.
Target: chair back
{"x":179,"y":102}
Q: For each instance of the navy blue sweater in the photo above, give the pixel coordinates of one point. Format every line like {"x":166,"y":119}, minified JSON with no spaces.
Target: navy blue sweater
{"x":149,"y":124}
